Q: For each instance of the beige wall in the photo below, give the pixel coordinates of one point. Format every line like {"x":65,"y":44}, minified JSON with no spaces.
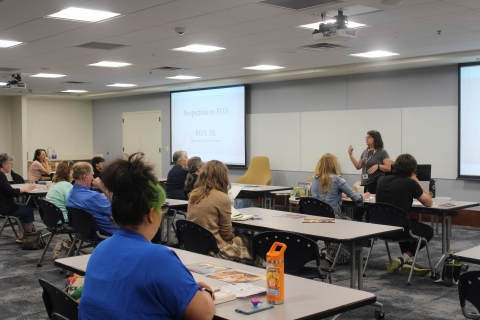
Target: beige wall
{"x":5,"y":125}
{"x":64,"y":125}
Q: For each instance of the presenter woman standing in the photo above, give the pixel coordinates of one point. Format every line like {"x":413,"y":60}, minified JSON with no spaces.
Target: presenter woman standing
{"x":374,"y":161}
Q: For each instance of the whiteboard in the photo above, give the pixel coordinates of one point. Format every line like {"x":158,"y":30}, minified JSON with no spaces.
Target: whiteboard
{"x":430,"y":134}
{"x":277,"y":136}
{"x":333,"y":131}
{"x":296,"y":141}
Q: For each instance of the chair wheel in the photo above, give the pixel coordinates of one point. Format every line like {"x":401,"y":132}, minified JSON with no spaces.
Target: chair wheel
{"x":436,"y":276}
{"x":39,"y":265}
{"x":407,"y":284}
{"x":379,"y":314}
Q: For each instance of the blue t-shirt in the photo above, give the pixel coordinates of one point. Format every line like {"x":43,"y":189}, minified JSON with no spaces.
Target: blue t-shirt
{"x":96,"y":204}
{"x":129,"y":277}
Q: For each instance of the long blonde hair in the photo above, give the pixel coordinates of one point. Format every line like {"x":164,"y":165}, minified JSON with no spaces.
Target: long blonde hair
{"x":327,"y":165}
{"x":214,"y":176}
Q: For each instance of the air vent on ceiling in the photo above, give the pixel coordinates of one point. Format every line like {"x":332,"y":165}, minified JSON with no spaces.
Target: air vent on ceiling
{"x":9,"y":69}
{"x":101,"y":45}
{"x":298,"y":4}
{"x":75,"y":82}
{"x":323,"y":47}
{"x":169,"y":69}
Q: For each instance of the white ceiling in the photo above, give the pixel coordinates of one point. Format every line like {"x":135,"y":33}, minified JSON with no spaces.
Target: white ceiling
{"x":252,"y":34}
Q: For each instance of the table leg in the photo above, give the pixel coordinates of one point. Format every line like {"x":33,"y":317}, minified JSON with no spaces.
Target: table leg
{"x":352,"y":267}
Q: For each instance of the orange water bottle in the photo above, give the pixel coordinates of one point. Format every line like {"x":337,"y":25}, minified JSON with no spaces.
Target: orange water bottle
{"x":275,"y":270}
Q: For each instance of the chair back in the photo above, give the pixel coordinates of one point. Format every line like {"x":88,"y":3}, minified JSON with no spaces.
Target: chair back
{"x":468,"y":288}
{"x":315,"y":207}
{"x":195,"y":238}
{"x":83,"y":222}
{"x":50,"y":213}
{"x":258,"y":172}
{"x":387,"y":214}
{"x":57,"y":301}
{"x":300,"y":249}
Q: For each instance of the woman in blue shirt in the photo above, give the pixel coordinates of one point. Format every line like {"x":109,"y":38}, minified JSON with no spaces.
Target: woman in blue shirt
{"x":329,"y":186}
{"x":127,"y":276}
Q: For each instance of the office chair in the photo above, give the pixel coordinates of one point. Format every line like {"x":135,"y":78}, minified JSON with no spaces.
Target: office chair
{"x":468,"y":287}
{"x":300,"y":250}
{"x":195,"y":238}
{"x":51,"y":215}
{"x":57,"y":301}
{"x":86,"y":229}
{"x":258,"y":172}
{"x":387,"y":214}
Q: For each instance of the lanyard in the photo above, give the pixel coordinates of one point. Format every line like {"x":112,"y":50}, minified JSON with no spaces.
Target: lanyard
{"x":368,"y":158}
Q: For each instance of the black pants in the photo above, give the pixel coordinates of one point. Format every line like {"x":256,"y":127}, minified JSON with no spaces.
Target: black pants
{"x":418,"y":229}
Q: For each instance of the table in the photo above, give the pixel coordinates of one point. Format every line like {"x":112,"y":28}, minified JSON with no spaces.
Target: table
{"x":40,"y":191}
{"x":471,"y":255}
{"x":342,"y":231}
{"x":259,"y":191}
{"x":303,"y":298}
{"x":438,"y":209}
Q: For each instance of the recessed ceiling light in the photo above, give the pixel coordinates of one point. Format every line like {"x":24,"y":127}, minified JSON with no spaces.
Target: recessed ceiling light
{"x":3,"y":83}
{"x":110,"y":64}
{"x":198,"y":48}
{"x":80,"y":14}
{"x":8,"y":43}
{"x":374,"y":54}
{"x":47,"y":75}
{"x":121,"y":85}
{"x":263,"y":67}
{"x":183,"y":77}
{"x":75,"y":91}
{"x":313,"y":26}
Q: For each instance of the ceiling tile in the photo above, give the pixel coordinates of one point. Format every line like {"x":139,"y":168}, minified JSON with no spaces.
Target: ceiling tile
{"x":428,"y":9}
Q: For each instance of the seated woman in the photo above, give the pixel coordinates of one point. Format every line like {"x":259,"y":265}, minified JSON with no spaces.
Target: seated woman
{"x":98,"y":164}
{"x":8,"y":205}
{"x":128,"y":277}
{"x":209,"y":206}
{"x":177,"y":176}
{"x":329,"y":186}
{"x":40,"y":165}
{"x":61,"y":186}
{"x":194,"y":167}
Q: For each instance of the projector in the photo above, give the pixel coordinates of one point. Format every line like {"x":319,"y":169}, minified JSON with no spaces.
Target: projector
{"x":19,"y":85}
{"x":335,"y":35}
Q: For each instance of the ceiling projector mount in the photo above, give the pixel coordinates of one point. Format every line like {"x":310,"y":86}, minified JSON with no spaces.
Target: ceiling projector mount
{"x":15,"y":82}
{"x":334,"y":31}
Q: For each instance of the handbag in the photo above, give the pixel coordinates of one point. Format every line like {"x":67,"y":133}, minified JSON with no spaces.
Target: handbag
{"x":33,"y":241}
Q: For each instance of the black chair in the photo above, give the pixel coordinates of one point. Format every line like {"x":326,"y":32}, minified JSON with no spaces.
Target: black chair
{"x":195,"y":238}
{"x":300,"y":250}
{"x":387,"y":214}
{"x":11,"y":221}
{"x":315,"y":207}
{"x":468,"y":287}
{"x":57,"y":301}
{"x":86,"y":229}
{"x":51,"y":215}
{"x":56,"y":316}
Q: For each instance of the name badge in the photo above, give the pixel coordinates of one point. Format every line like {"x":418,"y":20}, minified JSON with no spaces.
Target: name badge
{"x":365,"y":176}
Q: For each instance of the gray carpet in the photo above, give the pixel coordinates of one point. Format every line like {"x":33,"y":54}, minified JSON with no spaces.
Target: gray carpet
{"x":21,"y":295}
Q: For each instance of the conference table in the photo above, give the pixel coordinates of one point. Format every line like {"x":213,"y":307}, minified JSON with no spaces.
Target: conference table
{"x":260,"y":191}
{"x":304,"y":298}
{"x":174,"y":205}
{"x":356,"y":234}
{"x":471,"y":255}
{"x":444,"y":208}
{"x":40,"y":191}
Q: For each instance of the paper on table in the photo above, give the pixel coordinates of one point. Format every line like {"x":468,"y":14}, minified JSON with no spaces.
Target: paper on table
{"x":242,"y":290}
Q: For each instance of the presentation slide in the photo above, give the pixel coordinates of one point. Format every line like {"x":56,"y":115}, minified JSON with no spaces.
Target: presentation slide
{"x":469,"y":164}
{"x":210,"y":124}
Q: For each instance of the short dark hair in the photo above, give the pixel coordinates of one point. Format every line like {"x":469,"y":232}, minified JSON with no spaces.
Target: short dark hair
{"x":405,"y":165}
{"x":96,"y":160}
{"x":377,"y":138}
{"x":36,"y":156}
{"x":134,"y":189}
